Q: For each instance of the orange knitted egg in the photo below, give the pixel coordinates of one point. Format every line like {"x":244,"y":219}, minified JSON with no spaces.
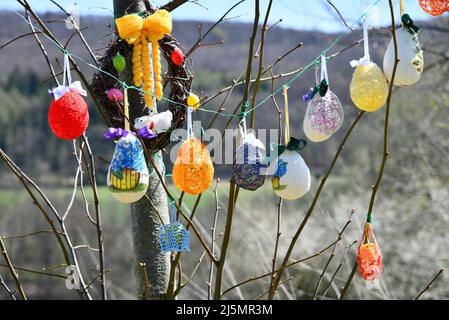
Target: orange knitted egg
{"x":193,"y":170}
{"x":369,"y":256}
{"x":434,"y":7}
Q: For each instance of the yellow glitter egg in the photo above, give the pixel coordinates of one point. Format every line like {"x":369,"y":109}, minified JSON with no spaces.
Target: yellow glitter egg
{"x":369,"y":89}
{"x":129,"y":27}
{"x":193,"y":101}
{"x":193,"y":170}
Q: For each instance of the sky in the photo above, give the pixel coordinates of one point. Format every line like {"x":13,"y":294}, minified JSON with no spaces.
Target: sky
{"x":296,"y":14}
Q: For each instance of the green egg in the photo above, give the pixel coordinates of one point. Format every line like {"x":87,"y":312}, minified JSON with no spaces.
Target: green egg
{"x":119,"y":62}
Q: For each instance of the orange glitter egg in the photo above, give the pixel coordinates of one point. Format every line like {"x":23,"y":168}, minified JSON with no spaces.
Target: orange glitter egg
{"x":369,"y":256}
{"x":434,"y":7}
{"x":193,"y":170}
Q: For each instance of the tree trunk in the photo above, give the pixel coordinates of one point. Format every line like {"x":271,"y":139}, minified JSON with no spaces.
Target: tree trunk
{"x":152,"y":266}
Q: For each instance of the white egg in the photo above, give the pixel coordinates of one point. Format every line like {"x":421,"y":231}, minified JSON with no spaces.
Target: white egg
{"x":311,"y":134}
{"x":410,"y":55}
{"x":292,"y":179}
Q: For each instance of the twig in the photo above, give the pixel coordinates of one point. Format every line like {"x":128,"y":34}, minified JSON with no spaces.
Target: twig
{"x":312,"y":206}
{"x":5,"y":286}
{"x":172,"y":5}
{"x":251,"y":279}
{"x":27,"y":234}
{"x":213,"y":229}
{"x":334,"y":275}
{"x":62,"y":237}
{"x":202,"y":36}
{"x":332,"y":255}
{"x":429,"y":285}
{"x":13,"y":272}
{"x":78,"y":31}
{"x":260,"y":68}
{"x":42,"y":273}
{"x":233,"y":189}
{"x":385,"y":139}
{"x":90,"y":165}
{"x":279,"y":211}
{"x":339,"y":14}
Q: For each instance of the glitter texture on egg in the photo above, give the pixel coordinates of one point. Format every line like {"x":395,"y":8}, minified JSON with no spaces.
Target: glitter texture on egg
{"x":325,"y":113}
{"x":369,"y":89}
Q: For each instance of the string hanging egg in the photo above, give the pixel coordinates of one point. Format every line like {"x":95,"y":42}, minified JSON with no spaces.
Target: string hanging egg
{"x":68,"y":115}
{"x":369,"y":256}
{"x":434,"y":7}
{"x":368,"y":88}
{"x":249,"y":163}
{"x":128,"y":176}
{"x":292,"y":177}
{"x":324,"y":109}
{"x":410,"y":55}
{"x":193,"y":170}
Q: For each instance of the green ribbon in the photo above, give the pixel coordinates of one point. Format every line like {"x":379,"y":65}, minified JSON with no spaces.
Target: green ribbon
{"x":369,"y":218}
{"x":243,"y":109}
{"x":293,"y":145}
{"x":407,"y":22}
{"x":320,"y":88}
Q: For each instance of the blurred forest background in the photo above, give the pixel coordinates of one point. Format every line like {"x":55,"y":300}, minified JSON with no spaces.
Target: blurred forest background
{"x":411,"y":220}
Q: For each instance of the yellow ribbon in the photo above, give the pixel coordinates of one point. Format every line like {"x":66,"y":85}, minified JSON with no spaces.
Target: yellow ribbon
{"x":401,"y":7}
{"x":126,"y":109}
{"x":139,"y":31}
{"x":287,"y":120}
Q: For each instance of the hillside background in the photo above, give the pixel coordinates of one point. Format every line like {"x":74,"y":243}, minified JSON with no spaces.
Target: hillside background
{"x":411,"y":218}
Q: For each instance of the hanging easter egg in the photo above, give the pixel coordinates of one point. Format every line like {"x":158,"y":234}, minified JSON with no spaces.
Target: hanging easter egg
{"x":369,"y":256}
{"x":369,"y":89}
{"x":249,"y":164}
{"x":177,"y":57}
{"x":325,"y":113}
{"x":119,"y":62}
{"x":292,"y":177}
{"x":128,"y":176}
{"x":68,"y":116}
{"x":310,"y":133}
{"x":114,"y":94}
{"x":193,"y":170}
{"x":193,"y":101}
{"x":410,"y":55}
{"x":434,"y":7}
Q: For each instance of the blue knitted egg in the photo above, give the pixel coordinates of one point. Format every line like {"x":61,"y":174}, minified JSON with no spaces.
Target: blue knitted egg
{"x":249,"y":167}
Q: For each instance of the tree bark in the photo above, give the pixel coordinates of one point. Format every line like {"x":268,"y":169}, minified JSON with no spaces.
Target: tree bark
{"x":152,"y":266}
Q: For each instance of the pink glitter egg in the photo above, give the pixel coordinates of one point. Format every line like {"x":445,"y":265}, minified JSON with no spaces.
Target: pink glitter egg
{"x":115,"y":95}
{"x":326,"y":113}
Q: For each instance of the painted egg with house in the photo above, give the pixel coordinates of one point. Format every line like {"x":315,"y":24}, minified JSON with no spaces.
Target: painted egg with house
{"x":128,"y":176}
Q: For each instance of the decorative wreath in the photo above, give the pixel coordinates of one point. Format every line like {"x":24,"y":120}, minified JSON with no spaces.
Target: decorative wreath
{"x":177,"y":77}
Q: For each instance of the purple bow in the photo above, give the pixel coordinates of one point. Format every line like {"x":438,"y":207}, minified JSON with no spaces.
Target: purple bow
{"x":115,"y":133}
{"x":146,"y":133}
{"x":308,"y":95}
